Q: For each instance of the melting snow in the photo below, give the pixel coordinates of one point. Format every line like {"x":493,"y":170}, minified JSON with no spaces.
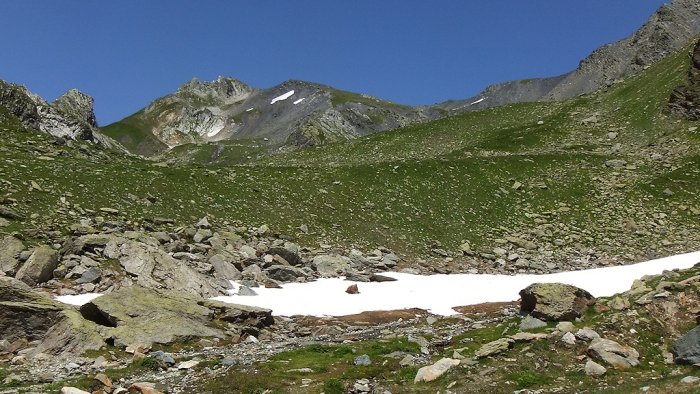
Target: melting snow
{"x":282,"y":97}
{"x":78,"y":299}
{"x":300,"y":100}
{"x":478,"y":101}
{"x":439,"y":293}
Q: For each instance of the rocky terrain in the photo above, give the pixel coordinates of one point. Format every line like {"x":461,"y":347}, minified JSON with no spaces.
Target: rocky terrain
{"x":606,"y":179}
{"x":294,"y":113}
{"x":667,"y":31}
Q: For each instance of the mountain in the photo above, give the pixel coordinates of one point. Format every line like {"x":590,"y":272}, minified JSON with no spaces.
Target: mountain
{"x":667,"y":30}
{"x":294,"y":113}
{"x":70,"y":116}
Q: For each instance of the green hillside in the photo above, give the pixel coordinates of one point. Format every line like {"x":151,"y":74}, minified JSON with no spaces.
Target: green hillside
{"x":534,"y":172}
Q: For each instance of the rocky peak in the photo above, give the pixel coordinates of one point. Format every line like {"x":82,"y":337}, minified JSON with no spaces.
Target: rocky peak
{"x":224,"y":89}
{"x":78,"y":104}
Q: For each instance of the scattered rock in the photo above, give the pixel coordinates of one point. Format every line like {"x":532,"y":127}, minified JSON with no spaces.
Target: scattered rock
{"x":592,"y":368}
{"x":352,"y":289}
{"x":690,"y":380}
{"x":40,"y":266}
{"x":612,"y":353}
{"x":495,"y":347}
{"x":531,"y":323}
{"x":362,"y":360}
{"x":569,"y":338}
{"x":432,"y":372}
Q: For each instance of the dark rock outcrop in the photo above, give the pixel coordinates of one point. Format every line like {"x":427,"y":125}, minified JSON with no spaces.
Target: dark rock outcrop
{"x":686,"y":350}
{"x":25,"y":313}
{"x":685,"y":100}
{"x":554,"y":301}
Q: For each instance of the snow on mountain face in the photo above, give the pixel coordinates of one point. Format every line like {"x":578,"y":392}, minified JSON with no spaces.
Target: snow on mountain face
{"x":282,"y":97}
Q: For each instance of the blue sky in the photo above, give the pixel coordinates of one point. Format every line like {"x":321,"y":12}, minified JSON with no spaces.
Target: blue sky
{"x":126,"y":53}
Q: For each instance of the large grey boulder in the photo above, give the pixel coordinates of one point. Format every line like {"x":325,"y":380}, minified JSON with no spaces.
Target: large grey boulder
{"x":613,"y":353}
{"x":153,"y":268}
{"x":137,"y":315}
{"x":10,"y":247}
{"x":494,"y":347}
{"x":329,"y":266}
{"x":686,"y":350}
{"x":25,"y":313}
{"x":554,"y":301}
{"x":40,"y":266}
{"x":289,"y":252}
{"x":224,"y":268}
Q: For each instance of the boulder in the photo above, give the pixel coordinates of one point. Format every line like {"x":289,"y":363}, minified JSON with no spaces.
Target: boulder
{"x":40,"y":266}
{"x":290,"y":253}
{"x":140,"y":315}
{"x":25,"y":313}
{"x":329,"y":266}
{"x":10,"y":248}
{"x":592,"y":368}
{"x":284,"y":273}
{"x":613,"y":353}
{"x":686,"y":350}
{"x":223,"y":268}
{"x":432,"y":372}
{"x":153,"y":268}
{"x":554,"y":301}
{"x":495,"y":347}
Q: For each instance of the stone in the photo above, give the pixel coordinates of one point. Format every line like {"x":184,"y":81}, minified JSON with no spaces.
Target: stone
{"x":686,"y":350}
{"x":362,"y":360}
{"x":246,"y":291}
{"x":284,"y":273}
{"x":408,"y":360}
{"x":203,"y":223}
{"x":619,"y":304}
{"x":135,"y":314}
{"x":73,"y":390}
{"x":554,"y":301}
{"x":352,"y":289}
{"x":592,"y":368}
{"x":690,"y":380}
{"x":569,"y":338}
{"x":92,"y":275}
{"x":165,"y":358}
{"x":248,"y":252}
{"x":188,"y":364}
{"x":40,"y":266}
{"x":495,"y":347}
{"x":25,"y":313}
{"x":587,"y":334}
{"x":144,"y":388}
{"x":289,"y":252}
{"x":566,"y":326}
{"x":329,"y":266}
{"x":616,"y":163}
{"x":104,"y":380}
{"x":10,"y":248}
{"x":434,"y":371}
{"x":381,"y":278}
{"x":9,"y":213}
{"x":223,"y":268}
{"x":527,"y":336}
{"x":530,"y":323}
{"x":617,"y":355}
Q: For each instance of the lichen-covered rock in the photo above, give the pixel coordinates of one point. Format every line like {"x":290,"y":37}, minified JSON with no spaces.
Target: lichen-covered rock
{"x":329,"y":266}
{"x":25,"y":313}
{"x":495,"y":347}
{"x":10,"y":247}
{"x":554,"y":301}
{"x":40,"y":266}
{"x":139,"y":315}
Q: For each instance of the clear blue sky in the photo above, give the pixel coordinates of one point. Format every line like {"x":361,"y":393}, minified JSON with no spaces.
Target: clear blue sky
{"x":126,"y":53}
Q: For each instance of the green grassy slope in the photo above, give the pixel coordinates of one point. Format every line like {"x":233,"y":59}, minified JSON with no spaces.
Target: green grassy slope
{"x":534,"y":170}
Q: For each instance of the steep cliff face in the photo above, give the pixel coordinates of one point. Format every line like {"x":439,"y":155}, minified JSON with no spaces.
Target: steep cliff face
{"x":294,"y":113}
{"x":70,"y":116}
{"x":666,"y":31}
{"x":685,"y":100}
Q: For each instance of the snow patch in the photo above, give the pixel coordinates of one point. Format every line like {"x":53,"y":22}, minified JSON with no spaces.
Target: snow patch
{"x":300,"y":100}
{"x":78,"y":299}
{"x":282,"y":97}
{"x":249,"y":109}
{"x":439,"y":293}
{"x":478,"y":101}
